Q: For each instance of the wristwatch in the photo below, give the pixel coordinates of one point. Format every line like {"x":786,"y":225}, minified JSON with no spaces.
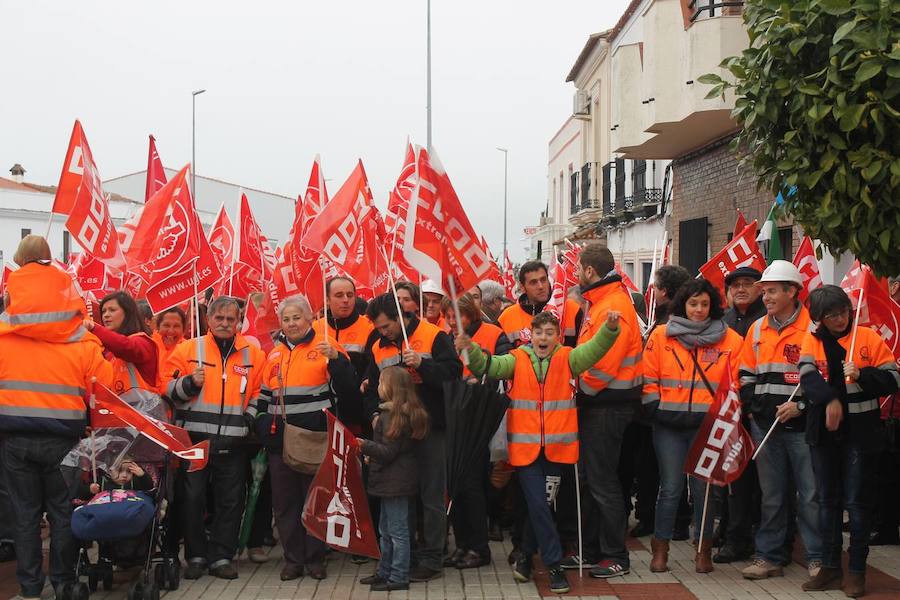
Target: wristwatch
{"x":801,"y":405}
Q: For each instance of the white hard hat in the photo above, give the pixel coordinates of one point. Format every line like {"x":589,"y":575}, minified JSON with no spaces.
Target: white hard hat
{"x":429,"y":286}
{"x":782,"y":270}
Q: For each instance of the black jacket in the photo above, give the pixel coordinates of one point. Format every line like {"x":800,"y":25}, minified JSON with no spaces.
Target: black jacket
{"x":393,"y":468}
{"x":533,"y":309}
{"x":350,"y":410}
{"x":741,"y":322}
{"x":443,"y":365}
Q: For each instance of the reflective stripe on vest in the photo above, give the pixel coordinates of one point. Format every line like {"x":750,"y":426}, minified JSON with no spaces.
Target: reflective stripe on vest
{"x":34,"y":318}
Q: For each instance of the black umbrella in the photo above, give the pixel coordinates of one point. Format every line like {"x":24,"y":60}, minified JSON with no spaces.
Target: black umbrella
{"x":474,"y":411}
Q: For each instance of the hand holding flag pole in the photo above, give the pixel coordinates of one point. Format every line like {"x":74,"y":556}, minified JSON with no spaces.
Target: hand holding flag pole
{"x":775,"y":424}
{"x":859,"y":304}
{"x":396,"y":300}
{"x":459,"y":327}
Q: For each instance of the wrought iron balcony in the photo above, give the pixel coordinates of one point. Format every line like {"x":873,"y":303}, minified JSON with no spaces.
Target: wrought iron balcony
{"x":591,"y":204}
{"x":713,"y":8}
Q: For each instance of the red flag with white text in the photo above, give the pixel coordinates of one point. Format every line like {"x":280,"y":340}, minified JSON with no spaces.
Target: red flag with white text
{"x":722,"y":447}
{"x":741,"y":251}
{"x":557,"y":302}
{"x":440,"y":241}
{"x":221,"y":240}
{"x":249,"y":238}
{"x":509,"y":277}
{"x":739,"y":225}
{"x":626,"y":280}
{"x":336,"y":510}
{"x":108,"y":410}
{"x":91,"y":275}
{"x":806,"y":263}
{"x":156,"y":174}
{"x":251,"y":331}
{"x":80,"y":195}
{"x":879,"y":311}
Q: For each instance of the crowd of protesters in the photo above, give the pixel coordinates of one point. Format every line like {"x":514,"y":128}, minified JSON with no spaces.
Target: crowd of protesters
{"x":620,"y":433}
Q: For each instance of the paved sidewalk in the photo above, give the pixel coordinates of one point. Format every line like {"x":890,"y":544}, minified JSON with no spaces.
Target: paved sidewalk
{"x":495,"y":582}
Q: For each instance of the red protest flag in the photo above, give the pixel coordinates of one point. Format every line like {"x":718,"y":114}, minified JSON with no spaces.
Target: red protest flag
{"x":722,"y":447}
{"x":509,"y":277}
{"x":557,"y":303}
{"x":156,"y":175}
{"x":80,"y":195}
{"x":183,"y":263}
{"x":108,"y":410}
{"x":316,"y":197}
{"x":806,"y":263}
{"x":494,"y":273}
{"x":336,"y":509}
{"x":440,"y":241}
{"x":249,"y":238}
{"x":626,"y":280}
{"x":395,"y":216}
{"x":252,"y":333}
{"x":742,"y":251}
{"x":221,"y":240}
{"x":739,"y":224}
{"x":91,"y":275}
{"x":879,"y":311}
{"x":349,"y":230}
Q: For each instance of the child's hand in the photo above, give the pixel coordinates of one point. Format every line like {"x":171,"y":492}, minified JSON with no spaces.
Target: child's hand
{"x":462,"y":342}
{"x":94,"y":488}
{"x":134,"y":469}
{"x":612,"y":320}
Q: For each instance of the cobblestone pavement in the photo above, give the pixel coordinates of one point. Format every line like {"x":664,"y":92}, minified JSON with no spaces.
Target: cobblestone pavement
{"x":262,"y":582}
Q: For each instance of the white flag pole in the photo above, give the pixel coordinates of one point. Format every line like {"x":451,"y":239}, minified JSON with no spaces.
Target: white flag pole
{"x":703,"y":518}
{"x":772,"y":428}
{"x":459,"y":327}
{"x":396,"y":300}
{"x":855,"y":329}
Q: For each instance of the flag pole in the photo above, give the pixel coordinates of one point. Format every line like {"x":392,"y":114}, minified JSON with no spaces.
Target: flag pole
{"x":859,"y":304}
{"x":197,"y":314}
{"x":93,"y":404}
{"x":459,"y":327}
{"x":703,"y":518}
{"x":396,"y":300}
{"x":49,"y":224}
{"x":772,"y":428}
{"x":325,"y":303}
{"x":578,"y":508}
{"x":421,"y":298}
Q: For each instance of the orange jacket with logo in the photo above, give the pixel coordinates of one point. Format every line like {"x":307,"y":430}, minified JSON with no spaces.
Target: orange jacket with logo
{"x":542,"y":413}
{"x":215,"y":411}
{"x":674,"y":391}
{"x":48,"y":360}
{"x":769,"y":369}
{"x":616,"y":378}
{"x":516,"y":322}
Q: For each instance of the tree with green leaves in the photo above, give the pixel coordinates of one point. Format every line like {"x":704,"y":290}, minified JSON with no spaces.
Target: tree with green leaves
{"x":818,"y":99}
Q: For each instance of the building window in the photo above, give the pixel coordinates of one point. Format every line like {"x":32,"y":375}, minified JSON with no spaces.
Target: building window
{"x":786,"y":237}
{"x":638,"y":178}
{"x":540,"y":249}
{"x":585,"y":185}
{"x":693,"y":244}
{"x":25,"y":232}
{"x":573,"y":192}
{"x":607,"y":188}
{"x":620,"y":181}
{"x":645,"y":275}
{"x":67,"y":246}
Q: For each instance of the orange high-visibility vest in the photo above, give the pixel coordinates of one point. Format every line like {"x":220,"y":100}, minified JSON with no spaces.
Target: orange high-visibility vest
{"x":619,"y":371}
{"x":126,"y":377}
{"x":353,"y":338}
{"x":218,"y":410}
{"x":164,"y":353}
{"x":421,"y":340}
{"x":486,"y":337}
{"x":516,"y":322}
{"x":672,"y":384}
{"x":542,"y":415}
{"x":870,"y":351}
{"x":47,"y":358}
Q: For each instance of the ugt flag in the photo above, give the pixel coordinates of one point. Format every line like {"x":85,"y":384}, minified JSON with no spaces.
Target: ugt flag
{"x":722,"y":447}
{"x":336,"y":509}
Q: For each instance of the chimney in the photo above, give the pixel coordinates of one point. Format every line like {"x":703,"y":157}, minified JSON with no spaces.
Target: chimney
{"x":18,"y":173}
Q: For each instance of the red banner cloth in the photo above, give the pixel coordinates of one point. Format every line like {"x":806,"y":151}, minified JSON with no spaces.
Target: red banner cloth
{"x":336,"y":509}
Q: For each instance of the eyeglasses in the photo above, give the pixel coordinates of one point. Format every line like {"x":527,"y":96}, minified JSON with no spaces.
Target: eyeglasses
{"x":745,"y":285}
{"x":837,"y":315}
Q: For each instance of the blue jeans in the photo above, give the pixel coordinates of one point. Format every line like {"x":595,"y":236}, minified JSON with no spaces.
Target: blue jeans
{"x":786,"y":457}
{"x":672,"y":446}
{"x":393,"y":525}
{"x":846,"y":479}
{"x":540,"y":530}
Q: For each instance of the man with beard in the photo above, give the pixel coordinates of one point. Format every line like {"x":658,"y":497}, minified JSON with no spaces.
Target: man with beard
{"x":516,"y":320}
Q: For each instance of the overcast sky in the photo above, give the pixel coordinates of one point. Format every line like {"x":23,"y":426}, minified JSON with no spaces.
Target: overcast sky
{"x":287,"y":80}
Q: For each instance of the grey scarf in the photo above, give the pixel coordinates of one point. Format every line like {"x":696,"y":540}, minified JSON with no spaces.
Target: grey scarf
{"x":695,"y":334}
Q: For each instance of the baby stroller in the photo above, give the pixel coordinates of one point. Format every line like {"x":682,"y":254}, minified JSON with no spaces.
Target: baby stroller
{"x":122,"y":518}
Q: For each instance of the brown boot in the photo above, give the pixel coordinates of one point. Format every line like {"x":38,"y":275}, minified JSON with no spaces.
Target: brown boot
{"x":854,"y":585}
{"x":660,"y":549}
{"x":703,"y":561}
{"x":826,"y":579}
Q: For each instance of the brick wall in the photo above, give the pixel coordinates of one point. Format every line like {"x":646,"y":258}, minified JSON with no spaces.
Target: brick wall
{"x":709,"y":183}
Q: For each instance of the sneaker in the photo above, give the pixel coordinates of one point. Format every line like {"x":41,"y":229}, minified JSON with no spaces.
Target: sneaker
{"x":359,"y":559}
{"x":194,"y":570}
{"x":257,"y":555}
{"x":814,"y":567}
{"x":473,"y":560}
{"x":224,"y":571}
{"x":572,"y":561}
{"x":421,"y":573}
{"x":762,"y":569}
{"x":514,"y":556}
{"x":610,"y":568}
{"x":559,"y":584}
{"x":522,"y":570}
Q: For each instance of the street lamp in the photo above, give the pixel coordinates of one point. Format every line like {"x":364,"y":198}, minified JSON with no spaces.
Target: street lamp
{"x":505,"y":179}
{"x":194,"y":95}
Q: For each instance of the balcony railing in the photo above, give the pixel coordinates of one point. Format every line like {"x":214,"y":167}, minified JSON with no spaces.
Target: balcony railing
{"x":698,"y":7}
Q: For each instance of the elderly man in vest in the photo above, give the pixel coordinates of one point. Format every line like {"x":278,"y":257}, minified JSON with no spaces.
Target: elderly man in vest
{"x":770,"y":392}
{"x":431,"y":359}
{"x":212,"y":381}
{"x":48,"y":362}
{"x":608,"y":398}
